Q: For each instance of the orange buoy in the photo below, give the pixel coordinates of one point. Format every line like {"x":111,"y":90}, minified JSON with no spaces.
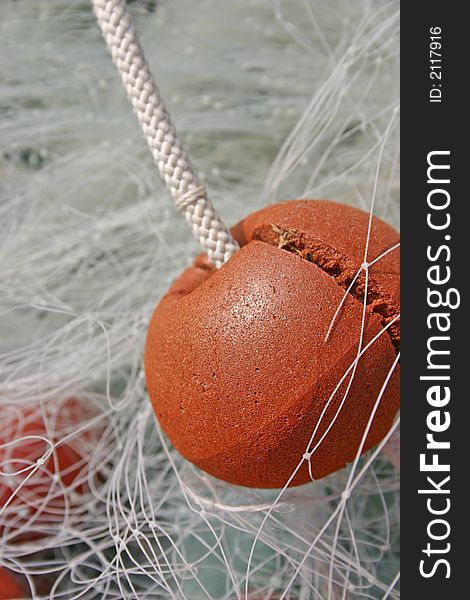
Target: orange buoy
{"x":37,"y":469}
{"x":238,"y":367}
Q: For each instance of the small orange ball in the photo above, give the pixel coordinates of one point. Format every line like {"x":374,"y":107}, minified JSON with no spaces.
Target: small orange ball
{"x":35,"y":479}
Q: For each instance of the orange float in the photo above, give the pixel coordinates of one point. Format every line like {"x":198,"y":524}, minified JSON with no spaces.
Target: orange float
{"x":38,"y":470}
{"x":237,"y":365}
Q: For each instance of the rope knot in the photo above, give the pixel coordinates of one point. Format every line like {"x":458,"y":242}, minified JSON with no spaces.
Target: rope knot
{"x":192,"y":196}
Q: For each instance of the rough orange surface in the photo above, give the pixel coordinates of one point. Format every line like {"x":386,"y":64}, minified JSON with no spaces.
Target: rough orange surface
{"x":236,"y":361}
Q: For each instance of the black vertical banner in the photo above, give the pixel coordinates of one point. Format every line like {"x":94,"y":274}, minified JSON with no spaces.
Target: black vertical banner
{"x":435,"y":447}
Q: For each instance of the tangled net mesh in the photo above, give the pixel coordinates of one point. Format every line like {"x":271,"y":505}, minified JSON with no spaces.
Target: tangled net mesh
{"x":274,"y":100}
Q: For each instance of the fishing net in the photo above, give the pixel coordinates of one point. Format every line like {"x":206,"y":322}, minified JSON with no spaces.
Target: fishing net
{"x":273,"y":100}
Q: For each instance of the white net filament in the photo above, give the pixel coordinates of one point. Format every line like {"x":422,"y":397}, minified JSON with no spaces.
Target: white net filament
{"x":273,"y":100}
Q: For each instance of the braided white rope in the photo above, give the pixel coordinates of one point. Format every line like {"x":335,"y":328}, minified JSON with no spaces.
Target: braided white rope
{"x":170,"y":157}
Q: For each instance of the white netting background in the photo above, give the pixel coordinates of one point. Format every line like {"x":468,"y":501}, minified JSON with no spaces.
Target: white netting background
{"x":273,"y":100}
